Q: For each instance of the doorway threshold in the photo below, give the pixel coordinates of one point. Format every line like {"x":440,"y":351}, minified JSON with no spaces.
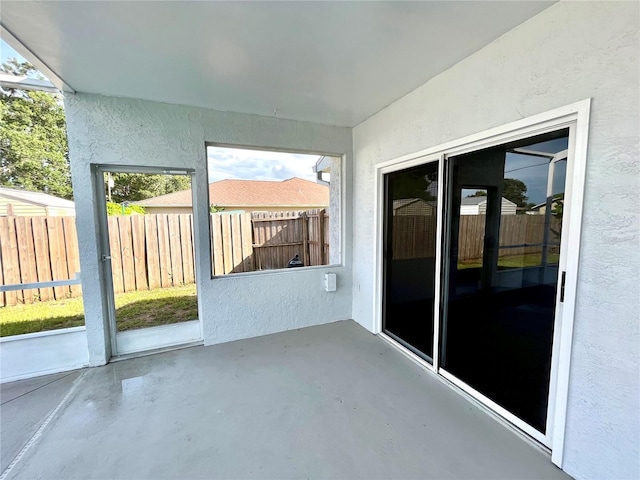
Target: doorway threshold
{"x":144,"y":353}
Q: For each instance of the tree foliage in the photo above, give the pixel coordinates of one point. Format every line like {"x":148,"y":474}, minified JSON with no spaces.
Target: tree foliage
{"x":121,"y":209}
{"x":479,"y":193}
{"x":132,"y":187}
{"x":413,"y":184}
{"x":33,"y":143}
{"x":34,"y":154}
{"x":515,"y":190}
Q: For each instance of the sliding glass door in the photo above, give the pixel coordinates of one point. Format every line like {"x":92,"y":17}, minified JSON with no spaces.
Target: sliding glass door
{"x":492,"y":312}
{"x":410,"y":221}
{"x":503,"y":236}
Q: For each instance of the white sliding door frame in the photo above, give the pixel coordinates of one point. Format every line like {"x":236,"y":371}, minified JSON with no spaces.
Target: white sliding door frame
{"x":433,"y":365}
{"x":575,"y":117}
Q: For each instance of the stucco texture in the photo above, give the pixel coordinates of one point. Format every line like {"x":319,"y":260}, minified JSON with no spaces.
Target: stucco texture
{"x":569,"y":52}
{"x":116,"y":131}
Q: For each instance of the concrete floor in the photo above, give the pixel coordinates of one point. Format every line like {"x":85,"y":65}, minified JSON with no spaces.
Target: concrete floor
{"x":331,"y":401}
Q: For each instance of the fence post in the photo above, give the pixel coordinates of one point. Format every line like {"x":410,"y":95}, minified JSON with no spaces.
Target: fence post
{"x":305,"y":237}
{"x":321,"y":213}
{"x":247,"y":241}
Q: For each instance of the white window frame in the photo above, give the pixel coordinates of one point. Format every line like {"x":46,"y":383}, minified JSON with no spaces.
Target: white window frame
{"x":575,"y":117}
{"x":338,"y":250}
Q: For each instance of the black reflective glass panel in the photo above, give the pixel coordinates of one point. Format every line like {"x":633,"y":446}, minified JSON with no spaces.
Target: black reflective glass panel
{"x":503,"y":235}
{"x":410,"y":256}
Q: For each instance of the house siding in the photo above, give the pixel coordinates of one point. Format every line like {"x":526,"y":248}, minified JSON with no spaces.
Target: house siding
{"x":569,"y":52}
{"x":19,"y":208}
{"x":25,"y":209}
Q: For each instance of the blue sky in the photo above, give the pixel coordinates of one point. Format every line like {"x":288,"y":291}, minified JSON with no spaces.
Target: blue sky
{"x":6,"y":52}
{"x":533,"y":171}
{"x":236,"y":163}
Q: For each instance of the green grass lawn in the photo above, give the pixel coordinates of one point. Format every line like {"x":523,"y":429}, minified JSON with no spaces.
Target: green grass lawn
{"x":513,"y":261}
{"x":133,"y":310}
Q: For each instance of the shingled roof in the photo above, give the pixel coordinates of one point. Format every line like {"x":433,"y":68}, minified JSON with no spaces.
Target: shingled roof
{"x":294,"y":192}
{"x":37,"y":198}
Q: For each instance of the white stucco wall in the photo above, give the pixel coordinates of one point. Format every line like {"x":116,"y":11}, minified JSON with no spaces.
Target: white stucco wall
{"x":116,"y":131}
{"x":569,"y":52}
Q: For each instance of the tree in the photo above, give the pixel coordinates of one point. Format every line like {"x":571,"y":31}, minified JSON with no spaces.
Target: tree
{"x":132,"y":187}
{"x":413,"y":184}
{"x":33,"y":147}
{"x":479,"y":193}
{"x":515,"y":190}
{"x":124,"y":209}
{"x":33,"y":142}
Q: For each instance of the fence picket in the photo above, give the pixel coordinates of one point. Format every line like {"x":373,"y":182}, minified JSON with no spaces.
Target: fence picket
{"x":126,"y":252}
{"x":116,"y":255}
{"x":152,"y":250}
{"x":247,"y":242}
{"x":226,"y":243}
{"x":43,"y":263}
{"x":26,"y":251}
{"x":10,"y":258}
{"x":177,"y":275}
{"x":56,"y":249}
{"x":3,"y":300}
{"x":187,"y":248}
{"x":164,"y":251}
{"x":139,"y":252}
{"x":216,"y":244}
{"x":73,"y":253}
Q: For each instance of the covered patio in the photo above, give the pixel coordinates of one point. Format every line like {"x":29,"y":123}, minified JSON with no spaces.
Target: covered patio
{"x":377,"y":364}
{"x":331,"y":401}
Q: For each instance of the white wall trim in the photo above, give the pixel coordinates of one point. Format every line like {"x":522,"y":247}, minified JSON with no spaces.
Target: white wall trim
{"x":533,"y":125}
{"x":43,"y":353}
{"x":574,"y":116}
{"x":578,"y":177}
{"x":23,"y":50}
{"x":47,"y":333}
{"x":163,"y":336}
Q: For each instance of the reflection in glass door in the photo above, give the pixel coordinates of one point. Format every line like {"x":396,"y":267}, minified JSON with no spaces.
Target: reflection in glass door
{"x":503,"y":246}
{"x":410,"y":257}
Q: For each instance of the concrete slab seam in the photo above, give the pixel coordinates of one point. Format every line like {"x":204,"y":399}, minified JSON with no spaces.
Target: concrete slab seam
{"x":36,"y":436}
{"x":37,"y":388}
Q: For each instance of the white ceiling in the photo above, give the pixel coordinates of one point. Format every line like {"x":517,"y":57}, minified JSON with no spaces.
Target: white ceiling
{"x":327,"y":62}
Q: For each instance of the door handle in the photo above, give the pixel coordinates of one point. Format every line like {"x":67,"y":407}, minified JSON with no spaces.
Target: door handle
{"x":106,"y":257}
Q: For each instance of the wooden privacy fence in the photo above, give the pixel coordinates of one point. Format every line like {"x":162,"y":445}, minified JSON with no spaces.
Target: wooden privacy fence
{"x":247,"y":242}
{"x":38,"y":249}
{"x":155,"y":251}
{"x":151,"y":251}
{"x":414,"y":235}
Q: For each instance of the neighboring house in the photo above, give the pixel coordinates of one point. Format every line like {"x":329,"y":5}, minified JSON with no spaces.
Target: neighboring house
{"x":24,"y":203}
{"x":541,"y":208}
{"x":478,"y":206}
{"x":412,"y":206}
{"x":247,"y":196}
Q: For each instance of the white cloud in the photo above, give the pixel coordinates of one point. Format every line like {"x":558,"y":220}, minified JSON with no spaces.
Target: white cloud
{"x":235,"y":163}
